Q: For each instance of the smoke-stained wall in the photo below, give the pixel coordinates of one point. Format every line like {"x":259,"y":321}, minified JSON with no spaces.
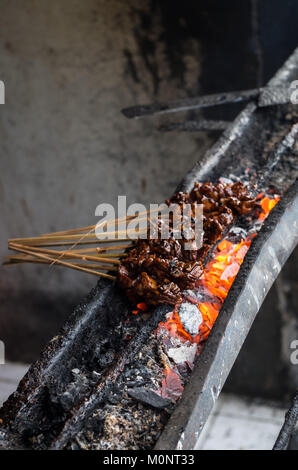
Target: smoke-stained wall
{"x":69,"y":67}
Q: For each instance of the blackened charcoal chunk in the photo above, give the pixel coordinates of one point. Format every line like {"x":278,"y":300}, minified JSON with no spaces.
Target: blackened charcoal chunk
{"x":149,"y":397}
{"x":68,"y":399}
{"x":106,"y":359}
{"x":95,"y":424}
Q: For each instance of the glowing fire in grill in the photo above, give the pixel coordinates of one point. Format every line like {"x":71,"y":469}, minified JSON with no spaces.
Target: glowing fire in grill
{"x":214,"y":284}
{"x":267,"y":205}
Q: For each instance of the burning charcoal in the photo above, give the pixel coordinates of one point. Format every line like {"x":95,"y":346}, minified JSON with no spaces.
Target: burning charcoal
{"x":190,"y":317}
{"x":230,"y":271}
{"x":149,"y":397}
{"x":171,"y":386}
{"x":192,"y":296}
{"x":185,"y":353}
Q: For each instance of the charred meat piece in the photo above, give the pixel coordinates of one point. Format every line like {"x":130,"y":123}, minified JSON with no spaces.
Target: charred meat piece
{"x":157,"y":271}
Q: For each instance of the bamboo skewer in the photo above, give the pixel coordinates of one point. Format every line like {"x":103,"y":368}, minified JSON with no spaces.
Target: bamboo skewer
{"x":17,"y":259}
{"x":70,"y":231}
{"x":66,"y":243}
{"x":107,"y":257}
{"x":65,"y":263}
{"x":74,"y":234}
{"x":71,"y":255}
{"x":92,"y":227}
{"x":67,"y":252}
{"x":100,"y":250}
{"x":75,"y":237}
{"x":113,"y":248}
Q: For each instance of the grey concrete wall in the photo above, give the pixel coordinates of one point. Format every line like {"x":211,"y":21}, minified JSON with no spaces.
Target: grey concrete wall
{"x":69,"y":67}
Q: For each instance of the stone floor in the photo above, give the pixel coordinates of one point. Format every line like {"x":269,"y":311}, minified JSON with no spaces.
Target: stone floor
{"x":235,"y":423}
{"x":10,"y":375}
{"x":241,"y":424}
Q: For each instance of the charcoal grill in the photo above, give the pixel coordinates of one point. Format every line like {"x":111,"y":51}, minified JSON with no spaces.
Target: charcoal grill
{"x":53,"y":403}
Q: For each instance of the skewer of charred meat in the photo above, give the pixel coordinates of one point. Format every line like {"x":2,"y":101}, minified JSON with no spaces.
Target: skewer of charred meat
{"x":152,"y":269}
{"x":157,"y":271}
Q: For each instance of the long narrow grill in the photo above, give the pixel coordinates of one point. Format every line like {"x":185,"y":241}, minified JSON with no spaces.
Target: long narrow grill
{"x":91,"y":387}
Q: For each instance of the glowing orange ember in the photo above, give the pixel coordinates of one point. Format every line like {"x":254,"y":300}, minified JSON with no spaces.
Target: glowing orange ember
{"x":171,"y":386}
{"x":142,"y":306}
{"x":215,"y":283}
{"x":267,"y":205}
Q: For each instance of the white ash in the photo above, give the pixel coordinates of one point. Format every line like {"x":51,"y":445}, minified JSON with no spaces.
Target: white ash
{"x":239,"y":231}
{"x":194,"y":294}
{"x":185,"y":353}
{"x":95,"y":374}
{"x":175,"y":342}
{"x":190,"y":317}
{"x":224,"y":180}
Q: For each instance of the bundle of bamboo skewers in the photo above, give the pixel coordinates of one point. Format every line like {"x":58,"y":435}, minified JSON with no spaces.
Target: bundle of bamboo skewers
{"x":100,"y":257}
